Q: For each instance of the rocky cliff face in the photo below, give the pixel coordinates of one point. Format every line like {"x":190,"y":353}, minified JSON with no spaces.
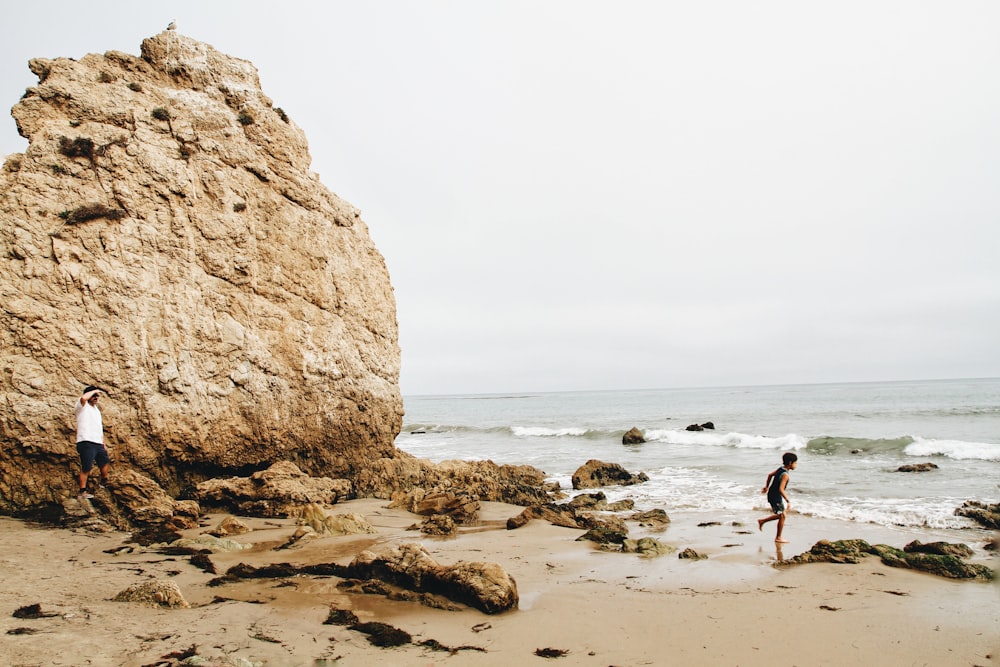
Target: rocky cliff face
{"x":163,"y":238}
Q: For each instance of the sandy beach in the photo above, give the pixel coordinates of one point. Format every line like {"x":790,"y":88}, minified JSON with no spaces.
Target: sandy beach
{"x":599,"y":608}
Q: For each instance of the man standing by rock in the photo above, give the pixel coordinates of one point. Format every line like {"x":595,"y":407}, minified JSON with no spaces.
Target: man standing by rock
{"x":90,"y":439}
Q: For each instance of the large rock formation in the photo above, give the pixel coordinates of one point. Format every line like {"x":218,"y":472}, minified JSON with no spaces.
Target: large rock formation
{"x":163,"y":238}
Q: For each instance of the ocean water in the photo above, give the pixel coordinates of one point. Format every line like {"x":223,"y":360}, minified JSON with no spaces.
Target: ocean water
{"x":850,"y":439}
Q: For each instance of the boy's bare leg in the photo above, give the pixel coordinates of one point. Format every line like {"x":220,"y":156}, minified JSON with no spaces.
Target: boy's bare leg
{"x":761,"y":522}
{"x":781,"y":525}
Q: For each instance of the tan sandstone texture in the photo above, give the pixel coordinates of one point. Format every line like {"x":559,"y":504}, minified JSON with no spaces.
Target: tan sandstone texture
{"x":163,"y":238}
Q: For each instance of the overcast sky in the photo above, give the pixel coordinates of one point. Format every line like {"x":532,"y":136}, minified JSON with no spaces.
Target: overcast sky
{"x":611,"y":195}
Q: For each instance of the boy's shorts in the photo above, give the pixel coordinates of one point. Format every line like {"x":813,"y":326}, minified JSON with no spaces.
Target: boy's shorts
{"x":91,"y":452}
{"x":778,"y":506}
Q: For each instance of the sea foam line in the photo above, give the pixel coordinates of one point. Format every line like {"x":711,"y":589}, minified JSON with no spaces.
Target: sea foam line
{"x":738,"y":440}
{"x":954,"y":449}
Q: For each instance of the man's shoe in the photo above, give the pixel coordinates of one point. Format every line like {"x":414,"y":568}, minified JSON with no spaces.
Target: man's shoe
{"x":85,"y":496}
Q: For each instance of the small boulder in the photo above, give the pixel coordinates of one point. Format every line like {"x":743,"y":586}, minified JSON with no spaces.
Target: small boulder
{"x":439,"y":524}
{"x":154,"y":593}
{"x":656,"y":519}
{"x":917,"y":467}
{"x":558,"y":515}
{"x":216,"y":545}
{"x":230,"y":525}
{"x":708,"y":426}
{"x":691,"y":554}
{"x":646,"y":547}
{"x":694,"y":427}
{"x":313,"y":516}
{"x":604,"y":535}
{"x":633,"y":437}
{"x":596,"y":473}
{"x":589,"y":501}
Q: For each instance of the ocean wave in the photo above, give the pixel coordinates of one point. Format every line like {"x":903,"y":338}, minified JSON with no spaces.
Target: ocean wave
{"x":847,"y":445}
{"x":542,"y":432}
{"x":899,"y":512}
{"x":790,"y":441}
{"x":954,"y":449}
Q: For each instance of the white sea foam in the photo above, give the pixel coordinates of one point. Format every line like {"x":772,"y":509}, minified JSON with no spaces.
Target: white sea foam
{"x":541,"y":432}
{"x":922,"y":512}
{"x":738,"y":440}
{"x":954,"y":449}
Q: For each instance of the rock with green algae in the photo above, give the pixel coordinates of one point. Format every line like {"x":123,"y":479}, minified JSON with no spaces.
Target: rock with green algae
{"x":941,"y":563}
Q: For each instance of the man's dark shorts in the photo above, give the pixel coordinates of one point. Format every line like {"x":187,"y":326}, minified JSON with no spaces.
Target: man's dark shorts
{"x":91,"y":452}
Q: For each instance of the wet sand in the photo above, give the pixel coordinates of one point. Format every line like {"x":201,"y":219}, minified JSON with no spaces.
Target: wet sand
{"x":733,"y":608}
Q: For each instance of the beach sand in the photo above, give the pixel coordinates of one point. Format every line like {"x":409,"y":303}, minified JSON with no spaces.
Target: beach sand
{"x":601,"y":608}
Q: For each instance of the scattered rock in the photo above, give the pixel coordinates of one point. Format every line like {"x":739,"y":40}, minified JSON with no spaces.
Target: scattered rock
{"x":647,"y":547}
{"x":596,"y":473}
{"x":439,"y":524}
{"x":559,"y":515}
{"x":597,"y":502}
{"x":656,"y":519}
{"x":230,"y":525}
{"x":691,"y":554}
{"x":987,"y":514}
{"x":485,"y":586}
{"x":633,"y":436}
{"x":216,"y":545}
{"x":694,"y":427}
{"x":708,"y":426}
{"x":940,"y":548}
{"x":589,"y":501}
{"x":604,"y":535}
{"x":853,"y":551}
{"x":161,"y":534}
{"x":917,"y":467}
{"x":313,"y":516}
{"x":154,"y":593}
{"x":839,"y":551}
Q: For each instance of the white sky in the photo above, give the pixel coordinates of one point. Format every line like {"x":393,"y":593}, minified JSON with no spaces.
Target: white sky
{"x":610,"y":195}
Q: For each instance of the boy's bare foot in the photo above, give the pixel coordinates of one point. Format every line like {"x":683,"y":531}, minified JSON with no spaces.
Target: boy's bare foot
{"x":760,"y":524}
{"x":780,"y":541}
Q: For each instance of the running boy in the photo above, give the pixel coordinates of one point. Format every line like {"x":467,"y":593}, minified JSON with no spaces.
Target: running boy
{"x":774,"y":487}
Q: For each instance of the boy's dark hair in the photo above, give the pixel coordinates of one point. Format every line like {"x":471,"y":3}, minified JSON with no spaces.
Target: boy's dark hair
{"x":788,"y":458}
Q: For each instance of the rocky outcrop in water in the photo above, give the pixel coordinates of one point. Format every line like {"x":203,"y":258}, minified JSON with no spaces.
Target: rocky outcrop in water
{"x":633,"y":436}
{"x":986,"y":514}
{"x":163,"y":238}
